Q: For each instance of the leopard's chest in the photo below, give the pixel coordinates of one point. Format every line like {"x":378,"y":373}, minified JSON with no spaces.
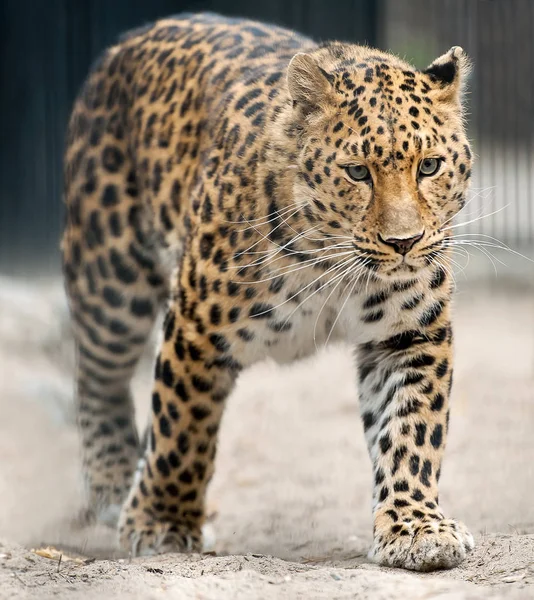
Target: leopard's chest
{"x":294,"y":325}
{"x":291,"y":326}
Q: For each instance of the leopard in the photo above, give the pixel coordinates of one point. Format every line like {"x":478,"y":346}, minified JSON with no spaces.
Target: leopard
{"x":263,"y":196}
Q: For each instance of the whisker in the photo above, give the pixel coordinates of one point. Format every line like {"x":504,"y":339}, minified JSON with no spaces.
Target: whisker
{"x":479,"y":194}
{"x":329,"y":282}
{"x":450,"y":250}
{"x":332,"y":269}
{"x":270,"y":254}
{"x":447,"y":268}
{"x":270,"y":216}
{"x":368,"y":280}
{"x":330,"y":238}
{"x":310,"y":261}
{"x":491,"y":258}
{"x":486,"y":244}
{"x":273,"y":252}
{"x":475,"y":220}
{"x":293,"y":268}
{"x":465,"y":254}
{"x":325,"y":303}
{"x":485,"y":235}
{"x":356,"y":274}
{"x":484,"y":251}
{"x":299,"y":252}
{"x":498,"y":243}
{"x":317,"y":250}
{"x":267,"y":237}
{"x":271,"y":259}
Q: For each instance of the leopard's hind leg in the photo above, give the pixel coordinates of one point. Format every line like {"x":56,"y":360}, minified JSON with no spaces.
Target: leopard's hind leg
{"x":115,"y":287}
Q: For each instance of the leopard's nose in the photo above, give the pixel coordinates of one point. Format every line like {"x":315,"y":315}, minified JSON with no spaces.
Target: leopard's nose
{"x":401,"y":245}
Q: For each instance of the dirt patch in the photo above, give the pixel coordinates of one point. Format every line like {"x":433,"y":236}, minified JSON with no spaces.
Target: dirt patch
{"x":290,"y":501}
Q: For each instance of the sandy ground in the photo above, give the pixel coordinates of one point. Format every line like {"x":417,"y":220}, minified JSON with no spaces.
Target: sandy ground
{"x":290,"y":502}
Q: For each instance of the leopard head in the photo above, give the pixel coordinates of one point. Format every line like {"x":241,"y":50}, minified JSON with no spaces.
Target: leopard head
{"x":383,"y":159}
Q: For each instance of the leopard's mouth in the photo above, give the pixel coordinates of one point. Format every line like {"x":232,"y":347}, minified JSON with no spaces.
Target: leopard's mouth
{"x":404,"y":267}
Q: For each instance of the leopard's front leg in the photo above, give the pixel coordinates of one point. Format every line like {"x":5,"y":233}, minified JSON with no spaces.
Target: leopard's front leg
{"x":194,"y":374}
{"x":404,"y":388}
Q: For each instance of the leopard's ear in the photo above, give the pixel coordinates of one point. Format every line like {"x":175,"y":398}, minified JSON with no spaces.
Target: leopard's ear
{"x":310,"y":86}
{"x":449,"y":74}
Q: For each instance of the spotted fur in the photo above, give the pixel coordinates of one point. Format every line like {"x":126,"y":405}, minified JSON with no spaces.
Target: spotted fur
{"x":210,"y":170}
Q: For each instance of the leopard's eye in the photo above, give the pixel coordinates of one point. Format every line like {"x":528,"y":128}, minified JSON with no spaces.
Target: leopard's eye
{"x":429,"y":166}
{"x":358,"y":173}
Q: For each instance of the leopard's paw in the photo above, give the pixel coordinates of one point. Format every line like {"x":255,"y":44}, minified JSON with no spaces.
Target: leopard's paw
{"x":422,"y":545}
{"x":148,"y":537}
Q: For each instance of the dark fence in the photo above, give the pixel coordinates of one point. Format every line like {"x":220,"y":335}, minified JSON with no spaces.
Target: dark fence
{"x":47,"y":46}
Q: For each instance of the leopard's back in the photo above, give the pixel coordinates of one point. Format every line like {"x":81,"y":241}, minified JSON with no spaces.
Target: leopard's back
{"x":152,"y":111}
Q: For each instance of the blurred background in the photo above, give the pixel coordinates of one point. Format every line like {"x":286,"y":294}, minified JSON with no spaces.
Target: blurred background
{"x":295,"y":493}
{"x":47,"y":47}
